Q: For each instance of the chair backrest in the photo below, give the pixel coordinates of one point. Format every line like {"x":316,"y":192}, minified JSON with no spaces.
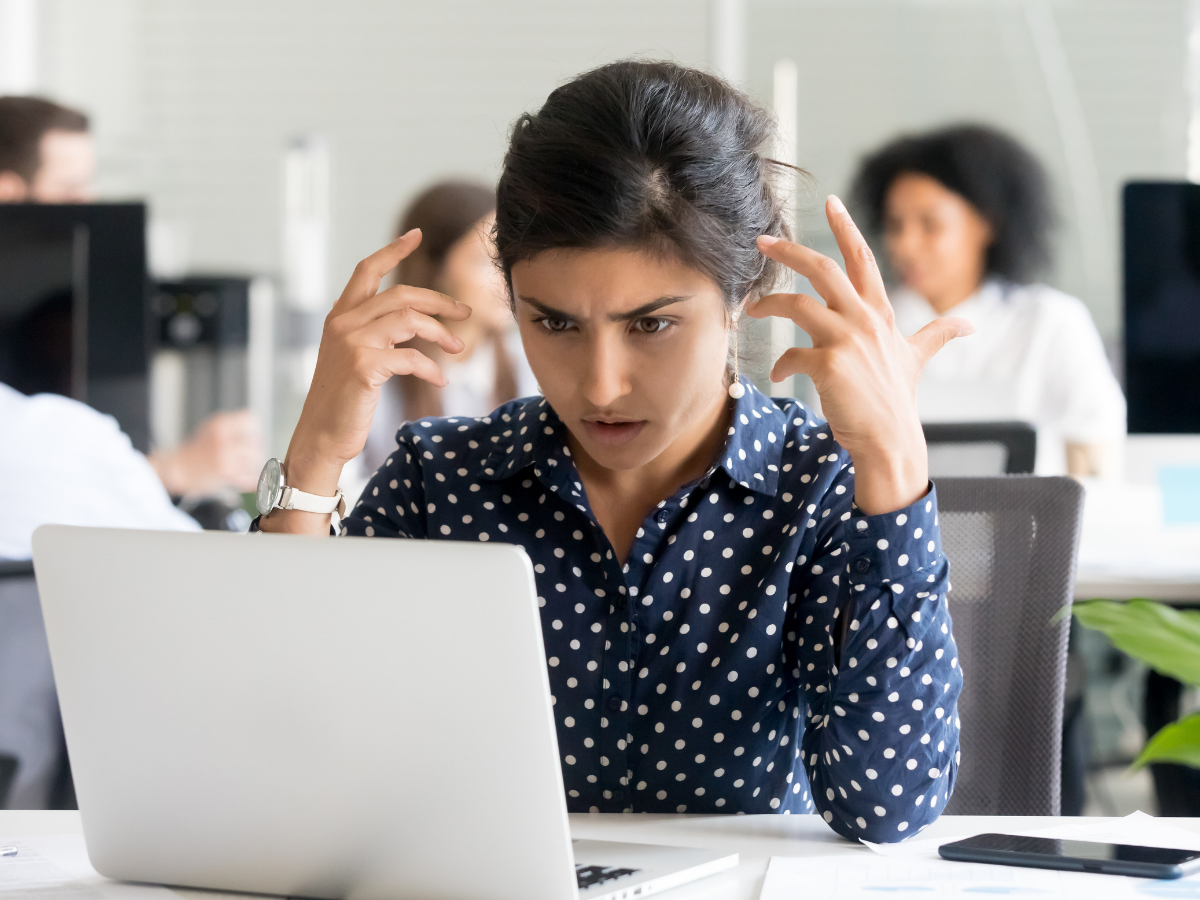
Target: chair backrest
{"x":967,"y":449}
{"x":16,"y":583}
{"x":1011,"y":543}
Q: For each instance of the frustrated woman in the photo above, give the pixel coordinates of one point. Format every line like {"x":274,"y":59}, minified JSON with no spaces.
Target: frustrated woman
{"x":744,"y":606}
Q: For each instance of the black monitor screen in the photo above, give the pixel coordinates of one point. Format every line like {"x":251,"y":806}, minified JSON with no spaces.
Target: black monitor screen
{"x":43,"y":344}
{"x":73,"y":316}
{"x":1162,"y":307}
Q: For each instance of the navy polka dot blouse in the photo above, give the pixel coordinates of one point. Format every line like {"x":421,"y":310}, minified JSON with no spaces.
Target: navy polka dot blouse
{"x":765,"y":648}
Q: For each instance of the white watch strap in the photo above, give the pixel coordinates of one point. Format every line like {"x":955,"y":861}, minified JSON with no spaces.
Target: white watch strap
{"x":294,"y":499}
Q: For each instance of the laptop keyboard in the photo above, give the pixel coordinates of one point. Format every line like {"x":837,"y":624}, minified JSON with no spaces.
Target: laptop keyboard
{"x":589,"y":876}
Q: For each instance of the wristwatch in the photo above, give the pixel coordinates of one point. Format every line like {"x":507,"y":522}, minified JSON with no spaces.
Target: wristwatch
{"x":274,"y":494}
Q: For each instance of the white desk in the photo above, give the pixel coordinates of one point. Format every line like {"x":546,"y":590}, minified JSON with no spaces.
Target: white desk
{"x":756,"y":838}
{"x":1127,"y":551}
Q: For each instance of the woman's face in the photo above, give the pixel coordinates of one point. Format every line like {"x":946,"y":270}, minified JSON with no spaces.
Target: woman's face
{"x":470,"y":275}
{"x":629,"y":349}
{"x":936,"y":240}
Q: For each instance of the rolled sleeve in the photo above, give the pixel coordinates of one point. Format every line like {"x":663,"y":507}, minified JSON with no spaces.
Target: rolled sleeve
{"x":881,"y":749}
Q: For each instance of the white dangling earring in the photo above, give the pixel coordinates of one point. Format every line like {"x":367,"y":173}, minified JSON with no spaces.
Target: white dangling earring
{"x":736,"y":389}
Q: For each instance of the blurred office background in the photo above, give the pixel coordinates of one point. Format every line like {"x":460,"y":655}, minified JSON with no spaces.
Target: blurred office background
{"x":195,"y":104}
{"x":277,"y":140}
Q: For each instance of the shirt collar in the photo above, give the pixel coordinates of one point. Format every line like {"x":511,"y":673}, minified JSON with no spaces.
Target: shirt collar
{"x":529,"y":433}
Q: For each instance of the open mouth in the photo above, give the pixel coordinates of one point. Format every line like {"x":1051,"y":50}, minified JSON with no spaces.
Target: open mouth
{"x":613,"y":434}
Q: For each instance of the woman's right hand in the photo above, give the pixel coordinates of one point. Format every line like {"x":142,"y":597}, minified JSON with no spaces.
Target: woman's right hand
{"x":357,"y":355}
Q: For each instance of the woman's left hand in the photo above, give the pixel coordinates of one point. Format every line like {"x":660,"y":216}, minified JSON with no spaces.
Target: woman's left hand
{"x":865,"y":371}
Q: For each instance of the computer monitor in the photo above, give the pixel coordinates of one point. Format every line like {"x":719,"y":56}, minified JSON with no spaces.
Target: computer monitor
{"x":73,"y":310}
{"x":1162,"y":307}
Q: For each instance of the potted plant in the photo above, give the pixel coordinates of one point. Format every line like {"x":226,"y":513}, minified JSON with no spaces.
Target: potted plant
{"x":1167,"y":640}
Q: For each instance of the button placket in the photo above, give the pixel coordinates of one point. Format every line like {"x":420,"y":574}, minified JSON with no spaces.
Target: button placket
{"x":617,"y":687}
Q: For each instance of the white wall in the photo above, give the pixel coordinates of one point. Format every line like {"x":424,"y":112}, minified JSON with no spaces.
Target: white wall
{"x":194,"y":100}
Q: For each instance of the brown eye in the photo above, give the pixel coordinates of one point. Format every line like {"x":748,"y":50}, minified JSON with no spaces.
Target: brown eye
{"x":652,"y":326}
{"x":554,"y":325}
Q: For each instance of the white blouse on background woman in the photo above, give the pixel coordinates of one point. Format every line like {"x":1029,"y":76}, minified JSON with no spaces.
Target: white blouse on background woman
{"x":1036,"y":356}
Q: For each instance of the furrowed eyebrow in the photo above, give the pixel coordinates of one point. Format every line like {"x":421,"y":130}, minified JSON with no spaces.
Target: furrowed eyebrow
{"x":645,"y":309}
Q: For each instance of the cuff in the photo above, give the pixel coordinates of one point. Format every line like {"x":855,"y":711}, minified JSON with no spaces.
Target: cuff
{"x":256,"y":528}
{"x":894,"y":545}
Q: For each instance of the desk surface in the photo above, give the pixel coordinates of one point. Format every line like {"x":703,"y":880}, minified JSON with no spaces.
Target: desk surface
{"x":756,"y":838}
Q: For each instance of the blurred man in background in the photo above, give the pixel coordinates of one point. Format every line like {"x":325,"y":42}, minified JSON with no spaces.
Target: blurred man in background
{"x":47,"y":155}
{"x":61,"y":461}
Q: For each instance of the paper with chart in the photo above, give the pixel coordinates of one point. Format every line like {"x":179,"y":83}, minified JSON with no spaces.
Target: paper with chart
{"x":914,"y":869}
{"x":56,"y":867}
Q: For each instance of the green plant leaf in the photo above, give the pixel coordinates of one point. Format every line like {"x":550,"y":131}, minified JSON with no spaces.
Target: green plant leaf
{"x":1164,"y":638}
{"x":1178,"y":742}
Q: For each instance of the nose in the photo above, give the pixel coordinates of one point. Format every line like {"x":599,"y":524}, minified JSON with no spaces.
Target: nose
{"x":901,"y":243}
{"x":606,"y":375}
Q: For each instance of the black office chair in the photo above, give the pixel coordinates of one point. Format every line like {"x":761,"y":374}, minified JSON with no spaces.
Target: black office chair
{"x":971,"y":449}
{"x":27,"y":698}
{"x":1012,"y":544}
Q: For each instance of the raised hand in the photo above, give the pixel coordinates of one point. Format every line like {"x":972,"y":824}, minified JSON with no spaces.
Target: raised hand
{"x":865,"y":371}
{"x":357,"y":355}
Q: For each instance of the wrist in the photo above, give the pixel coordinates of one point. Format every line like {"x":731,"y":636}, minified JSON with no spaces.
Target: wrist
{"x":307,"y":468}
{"x":887,"y":479}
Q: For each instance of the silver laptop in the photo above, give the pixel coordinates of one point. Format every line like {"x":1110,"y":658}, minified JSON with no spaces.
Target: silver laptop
{"x":353,"y":718}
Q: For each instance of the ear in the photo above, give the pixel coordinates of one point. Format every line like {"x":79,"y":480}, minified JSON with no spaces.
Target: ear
{"x":13,"y":188}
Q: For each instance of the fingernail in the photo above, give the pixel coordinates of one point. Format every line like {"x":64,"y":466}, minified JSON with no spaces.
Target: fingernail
{"x":767,"y":240}
{"x":837,"y":202}
{"x":409,"y":233}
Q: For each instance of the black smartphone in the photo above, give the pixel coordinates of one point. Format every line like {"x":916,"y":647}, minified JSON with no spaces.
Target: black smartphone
{"x":1075,"y":856}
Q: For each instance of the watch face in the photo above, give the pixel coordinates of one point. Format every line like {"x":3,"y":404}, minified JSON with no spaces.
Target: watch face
{"x":270,"y":486}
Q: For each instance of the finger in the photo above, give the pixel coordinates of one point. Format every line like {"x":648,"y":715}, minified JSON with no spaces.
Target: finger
{"x":796,"y":361}
{"x":861,"y":268}
{"x":807,"y":312}
{"x":404,"y":361}
{"x":405,"y":324}
{"x":934,"y":336}
{"x":364,"y":282}
{"x":403,"y":296}
{"x":823,"y":273}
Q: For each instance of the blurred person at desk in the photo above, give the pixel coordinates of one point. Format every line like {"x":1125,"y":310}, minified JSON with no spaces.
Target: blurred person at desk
{"x":47,"y":155}
{"x":965,"y":214}
{"x":62,"y":461}
{"x":456,"y":258}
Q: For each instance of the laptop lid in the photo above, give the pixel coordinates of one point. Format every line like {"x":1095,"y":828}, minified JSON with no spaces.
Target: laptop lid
{"x":350,"y":718}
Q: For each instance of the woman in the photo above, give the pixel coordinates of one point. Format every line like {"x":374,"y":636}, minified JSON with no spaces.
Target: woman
{"x":743,"y":606}
{"x":965,"y":216}
{"x":455,"y":258}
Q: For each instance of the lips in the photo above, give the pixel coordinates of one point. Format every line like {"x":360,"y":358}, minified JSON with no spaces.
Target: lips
{"x":613,"y":434}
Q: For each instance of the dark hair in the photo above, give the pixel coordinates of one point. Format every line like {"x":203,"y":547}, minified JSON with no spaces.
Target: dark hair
{"x":23,"y":123}
{"x":648,"y":155}
{"x":445,"y":212}
{"x":991,"y":171}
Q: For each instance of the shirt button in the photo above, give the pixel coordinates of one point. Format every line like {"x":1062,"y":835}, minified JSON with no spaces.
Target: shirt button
{"x":661,"y":516}
{"x":862,"y":565}
{"x":618,"y":795}
{"x":621,"y":601}
{"x":614,"y":703}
